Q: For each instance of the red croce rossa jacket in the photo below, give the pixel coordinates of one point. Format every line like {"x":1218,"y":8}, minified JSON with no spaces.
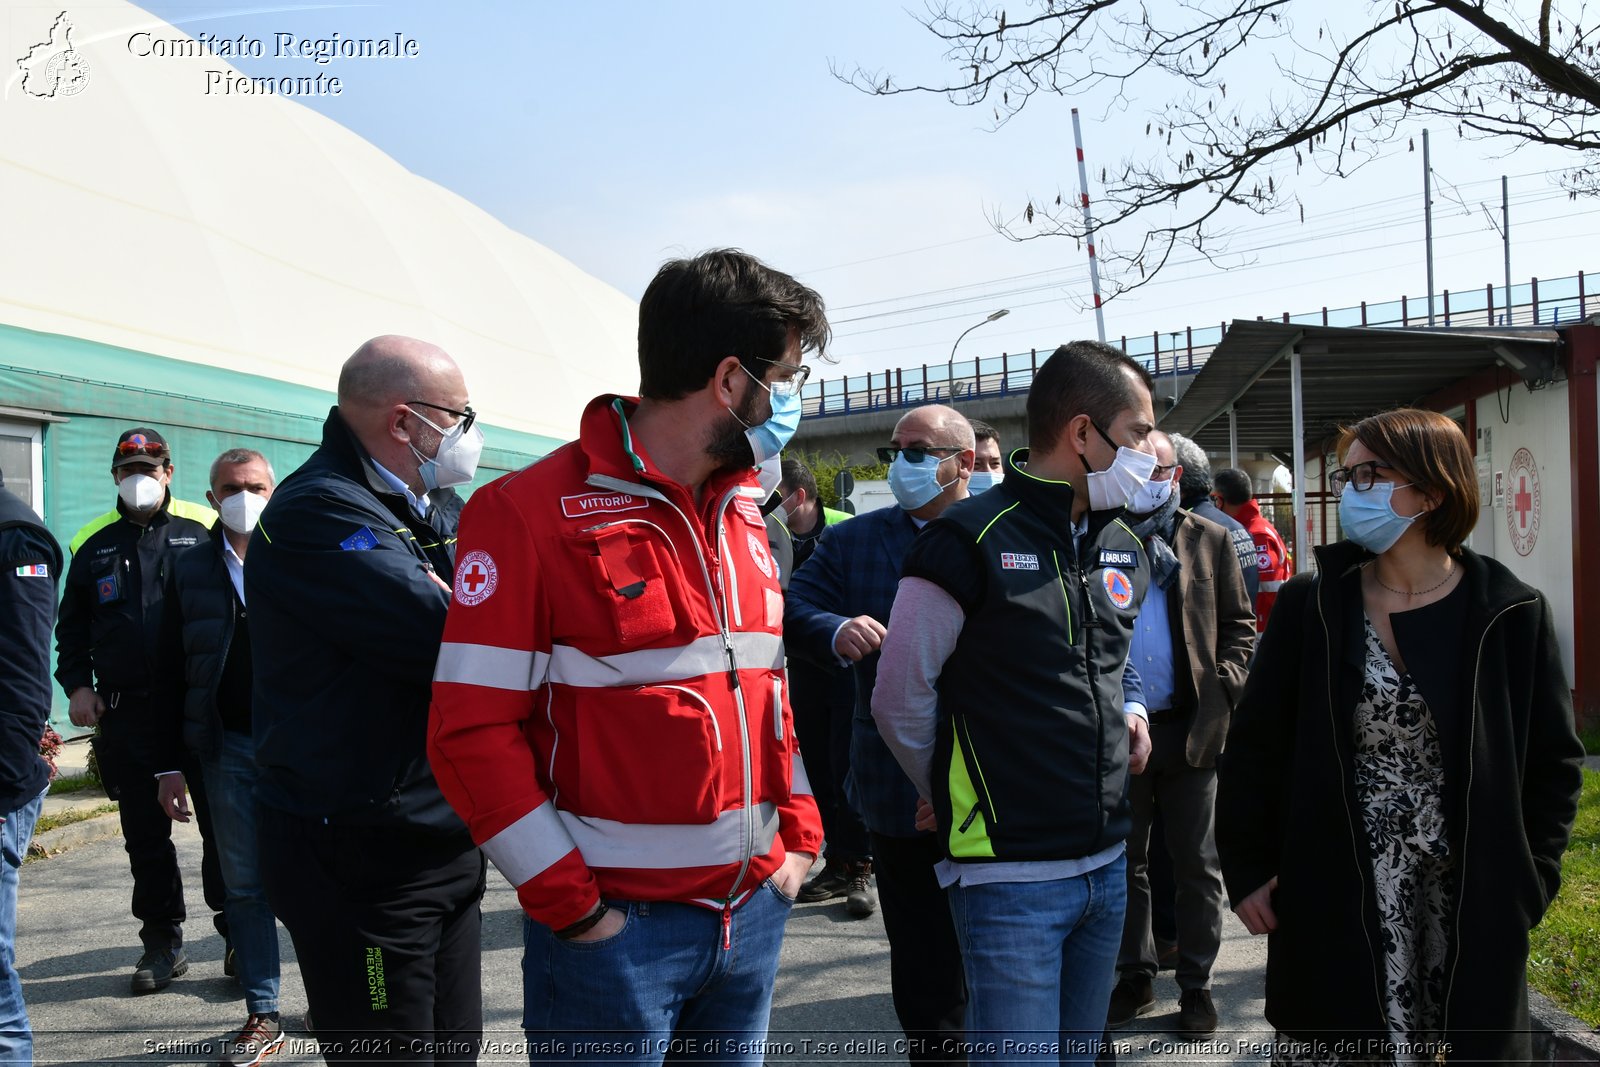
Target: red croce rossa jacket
{"x":609,"y":710}
{"x":1272,"y":560}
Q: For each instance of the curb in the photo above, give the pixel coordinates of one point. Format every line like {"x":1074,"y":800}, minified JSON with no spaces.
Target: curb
{"x":54,"y":842}
{"x":1557,"y":1036}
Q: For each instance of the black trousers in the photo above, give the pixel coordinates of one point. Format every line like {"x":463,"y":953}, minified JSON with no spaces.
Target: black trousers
{"x":824,"y":705}
{"x":925,"y":972}
{"x":146,"y":829}
{"x":1163,"y":884}
{"x":386,"y":924}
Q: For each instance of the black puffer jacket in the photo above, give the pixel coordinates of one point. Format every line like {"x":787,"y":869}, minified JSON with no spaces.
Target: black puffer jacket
{"x":1487,"y":663}
{"x":199,"y":627}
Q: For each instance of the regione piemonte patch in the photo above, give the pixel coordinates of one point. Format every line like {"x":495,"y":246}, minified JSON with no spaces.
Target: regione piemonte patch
{"x":476,"y":578}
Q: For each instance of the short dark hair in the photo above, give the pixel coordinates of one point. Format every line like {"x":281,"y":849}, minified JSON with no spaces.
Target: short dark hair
{"x":1432,"y":452}
{"x":1081,"y":378}
{"x":796,"y":475}
{"x":1233,"y":485}
{"x":1196,"y":480}
{"x":982,"y":431}
{"x":698,"y":312}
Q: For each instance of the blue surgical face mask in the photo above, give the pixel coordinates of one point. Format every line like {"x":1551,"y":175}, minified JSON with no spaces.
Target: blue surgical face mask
{"x":1369,"y":519}
{"x":916,"y":484}
{"x":983,"y":480}
{"x":767,"y":439}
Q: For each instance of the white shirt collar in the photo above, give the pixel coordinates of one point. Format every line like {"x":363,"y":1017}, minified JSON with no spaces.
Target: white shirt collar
{"x":235,"y":564}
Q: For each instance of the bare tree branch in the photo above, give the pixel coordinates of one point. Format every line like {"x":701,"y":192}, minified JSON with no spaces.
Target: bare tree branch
{"x":1352,"y":87}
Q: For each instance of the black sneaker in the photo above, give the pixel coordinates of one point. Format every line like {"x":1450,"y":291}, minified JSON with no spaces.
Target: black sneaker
{"x":1134,"y":995}
{"x":156,"y":970}
{"x":261,"y":1037}
{"x":860,"y":899}
{"x":834,"y":881}
{"x":1196,"y":1013}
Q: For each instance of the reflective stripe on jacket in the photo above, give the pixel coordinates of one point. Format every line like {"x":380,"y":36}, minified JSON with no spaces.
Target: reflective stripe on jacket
{"x":610,"y":713}
{"x":1272,"y":560}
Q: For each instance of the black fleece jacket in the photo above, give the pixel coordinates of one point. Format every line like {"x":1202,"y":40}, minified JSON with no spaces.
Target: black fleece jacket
{"x":1487,"y":663}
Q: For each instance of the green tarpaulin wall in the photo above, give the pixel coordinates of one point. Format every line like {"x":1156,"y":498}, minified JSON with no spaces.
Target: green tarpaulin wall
{"x":102,"y":390}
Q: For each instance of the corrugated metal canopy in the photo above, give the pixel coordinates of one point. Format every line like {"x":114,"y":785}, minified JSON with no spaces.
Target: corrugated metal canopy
{"x":1346,"y":373}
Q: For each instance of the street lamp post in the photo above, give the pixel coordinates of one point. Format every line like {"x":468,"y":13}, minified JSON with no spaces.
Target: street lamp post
{"x":1002,"y":313}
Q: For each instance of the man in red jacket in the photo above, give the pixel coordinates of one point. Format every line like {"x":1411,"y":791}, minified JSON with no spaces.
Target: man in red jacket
{"x":1237,"y":501}
{"x":610,"y":715}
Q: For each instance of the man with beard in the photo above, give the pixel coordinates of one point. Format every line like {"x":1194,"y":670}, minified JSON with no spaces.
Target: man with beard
{"x":609,"y":713}
{"x":1191,"y":645}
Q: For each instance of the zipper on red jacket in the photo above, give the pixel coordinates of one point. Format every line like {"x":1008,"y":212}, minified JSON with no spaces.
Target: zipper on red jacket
{"x":747,"y":808}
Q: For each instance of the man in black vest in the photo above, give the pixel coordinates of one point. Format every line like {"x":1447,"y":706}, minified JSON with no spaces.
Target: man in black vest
{"x":351,"y":564}
{"x":1000,"y":691}
{"x":30,"y":566}
{"x":202,"y":704}
{"x":105,"y":645}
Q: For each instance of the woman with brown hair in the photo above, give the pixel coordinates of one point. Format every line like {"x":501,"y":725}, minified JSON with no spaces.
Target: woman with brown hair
{"x":1401,"y":773}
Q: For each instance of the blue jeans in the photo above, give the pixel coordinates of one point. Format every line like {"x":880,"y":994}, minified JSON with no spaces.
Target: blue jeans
{"x":230,"y":782}
{"x":662,"y":989}
{"x":1041,"y":959}
{"x":16,"y":1035}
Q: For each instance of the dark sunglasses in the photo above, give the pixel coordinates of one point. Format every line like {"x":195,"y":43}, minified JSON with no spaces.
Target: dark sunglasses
{"x":917,"y":453}
{"x":467,"y":416}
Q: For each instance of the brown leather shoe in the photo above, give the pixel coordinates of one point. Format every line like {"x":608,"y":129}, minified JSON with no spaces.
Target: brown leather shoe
{"x":1196,"y":1013}
{"x":1134,"y":995}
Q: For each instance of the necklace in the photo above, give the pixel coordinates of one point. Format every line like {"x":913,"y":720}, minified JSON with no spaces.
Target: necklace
{"x":1402,"y":592}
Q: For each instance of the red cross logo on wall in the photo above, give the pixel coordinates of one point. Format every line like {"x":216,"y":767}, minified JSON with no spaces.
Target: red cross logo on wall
{"x":1524,"y":502}
{"x":476,"y":578}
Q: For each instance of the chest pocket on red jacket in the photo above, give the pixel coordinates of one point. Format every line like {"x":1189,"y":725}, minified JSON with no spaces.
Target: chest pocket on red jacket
{"x":630,"y":580}
{"x":654,"y":755}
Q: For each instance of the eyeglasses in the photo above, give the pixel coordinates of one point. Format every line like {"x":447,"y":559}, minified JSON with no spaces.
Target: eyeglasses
{"x":789,"y":386}
{"x":467,"y":415}
{"x":1360,"y":477}
{"x":138,"y":446}
{"x":916,"y":453}
{"x":1161,"y":474}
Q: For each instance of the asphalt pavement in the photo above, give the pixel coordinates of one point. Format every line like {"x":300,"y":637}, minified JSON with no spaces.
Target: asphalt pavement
{"x":77,"y":944}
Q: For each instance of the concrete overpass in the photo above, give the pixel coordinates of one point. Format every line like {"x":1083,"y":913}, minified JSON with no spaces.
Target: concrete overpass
{"x":857,"y":433}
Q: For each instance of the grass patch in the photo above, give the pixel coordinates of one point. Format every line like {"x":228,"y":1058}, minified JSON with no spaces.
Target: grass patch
{"x":72,"y":783}
{"x":72,"y":815}
{"x":1564,"y":951}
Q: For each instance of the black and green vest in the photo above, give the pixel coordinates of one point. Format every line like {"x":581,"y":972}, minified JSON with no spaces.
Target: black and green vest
{"x":1031,"y":749}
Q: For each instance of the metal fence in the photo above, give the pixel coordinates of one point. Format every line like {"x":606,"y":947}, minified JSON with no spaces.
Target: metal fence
{"x":1550,"y":301}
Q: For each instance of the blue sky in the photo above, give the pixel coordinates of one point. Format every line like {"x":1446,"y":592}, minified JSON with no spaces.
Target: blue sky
{"x":622,"y":134}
